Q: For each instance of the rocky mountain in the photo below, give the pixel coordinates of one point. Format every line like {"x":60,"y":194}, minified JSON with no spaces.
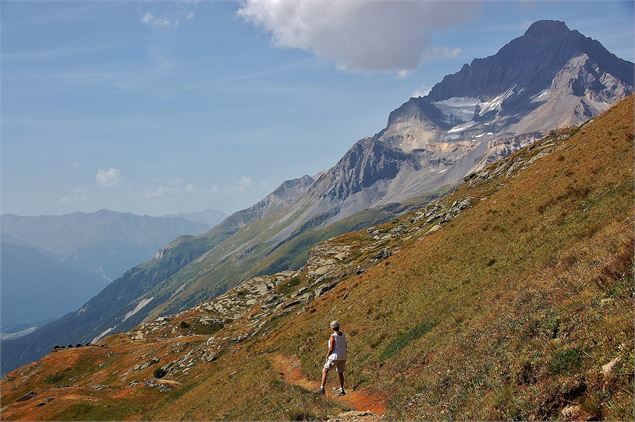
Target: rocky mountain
{"x":548,"y":78}
{"x":509,"y":298}
{"x":103,"y":242}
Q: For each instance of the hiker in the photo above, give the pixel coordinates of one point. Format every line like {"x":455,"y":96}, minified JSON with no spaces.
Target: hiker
{"x":336,"y":357}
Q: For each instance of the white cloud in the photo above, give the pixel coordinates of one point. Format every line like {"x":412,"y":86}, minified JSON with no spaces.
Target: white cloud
{"x":157,"y":21}
{"x":441,"y":52}
{"x":76,"y":164}
{"x":244,"y":182}
{"x":170,"y":20}
{"x":71,"y":199}
{"x":384,"y":36}
{"x":109,"y":178}
{"x":175,"y":186}
{"x":162,"y":191}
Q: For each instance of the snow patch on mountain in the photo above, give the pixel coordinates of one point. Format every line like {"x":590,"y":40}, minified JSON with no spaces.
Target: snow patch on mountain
{"x":137,"y":308}
{"x":462,"y":127}
{"x":102,"y":334}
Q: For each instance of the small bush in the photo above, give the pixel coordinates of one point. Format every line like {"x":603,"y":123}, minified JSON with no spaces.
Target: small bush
{"x":55,"y":378}
{"x":565,"y":361}
{"x":160,"y":373}
{"x":302,"y":415}
{"x":289,"y":286}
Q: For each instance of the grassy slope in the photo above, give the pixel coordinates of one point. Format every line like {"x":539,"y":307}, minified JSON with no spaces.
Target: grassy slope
{"x":509,"y":311}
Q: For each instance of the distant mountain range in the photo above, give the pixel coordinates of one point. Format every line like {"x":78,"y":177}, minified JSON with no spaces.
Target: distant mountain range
{"x":208,"y":217}
{"x":548,"y":78}
{"x":105,"y":242}
{"x":52,"y":265}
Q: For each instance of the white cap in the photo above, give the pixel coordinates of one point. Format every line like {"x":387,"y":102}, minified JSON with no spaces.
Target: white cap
{"x":335,"y":325}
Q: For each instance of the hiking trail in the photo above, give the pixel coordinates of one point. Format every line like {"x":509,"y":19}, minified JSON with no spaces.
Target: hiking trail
{"x":360,"y":400}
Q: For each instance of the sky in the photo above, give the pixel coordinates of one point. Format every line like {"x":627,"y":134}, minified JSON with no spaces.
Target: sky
{"x":160,"y":107}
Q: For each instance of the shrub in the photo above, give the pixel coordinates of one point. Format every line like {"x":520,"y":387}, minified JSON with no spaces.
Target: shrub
{"x":55,"y":378}
{"x":160,"y":373}
{"x":565,"y":361}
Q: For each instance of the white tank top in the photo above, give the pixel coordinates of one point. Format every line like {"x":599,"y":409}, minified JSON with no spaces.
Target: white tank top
{"x":340,"y":346}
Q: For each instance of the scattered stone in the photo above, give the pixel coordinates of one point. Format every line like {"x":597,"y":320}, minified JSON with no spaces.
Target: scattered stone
{"x":324,"y":288}
{"x":323,"y":278}
{"x":27,"y":396}
{"x":383,"y":254}
{"x":353,"y":415}
{"x":575,"y":412}
{"x":240,"y":338}
{"x":159,"y":386}
{"x":434,"y":229}
{"x":211,"y":356}
{"x":292,"y":303}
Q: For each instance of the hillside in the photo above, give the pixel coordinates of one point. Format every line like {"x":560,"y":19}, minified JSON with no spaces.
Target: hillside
{"x":508,"y":298}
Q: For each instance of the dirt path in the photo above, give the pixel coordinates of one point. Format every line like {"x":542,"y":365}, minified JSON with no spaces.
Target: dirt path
{"x":360,"y":400}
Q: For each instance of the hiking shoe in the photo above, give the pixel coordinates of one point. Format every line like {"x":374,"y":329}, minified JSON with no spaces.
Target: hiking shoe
{"x":319,"y":390}
{"x":341,"y":392}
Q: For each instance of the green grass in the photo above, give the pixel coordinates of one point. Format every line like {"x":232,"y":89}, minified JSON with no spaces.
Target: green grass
{"x":566,"y":361}
{"x":55,"y":378}
{"x":289,"y":286}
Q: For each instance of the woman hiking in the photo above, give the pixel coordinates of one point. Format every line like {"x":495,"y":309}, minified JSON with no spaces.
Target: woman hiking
{"x":336,"y":357}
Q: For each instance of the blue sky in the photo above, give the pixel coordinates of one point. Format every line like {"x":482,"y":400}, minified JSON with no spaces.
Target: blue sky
{"x":167,"y":107}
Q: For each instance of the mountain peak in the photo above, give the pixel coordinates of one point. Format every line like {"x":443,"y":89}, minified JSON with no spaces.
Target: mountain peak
{"x":546,"y":29}
{"x":529,"y":63}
